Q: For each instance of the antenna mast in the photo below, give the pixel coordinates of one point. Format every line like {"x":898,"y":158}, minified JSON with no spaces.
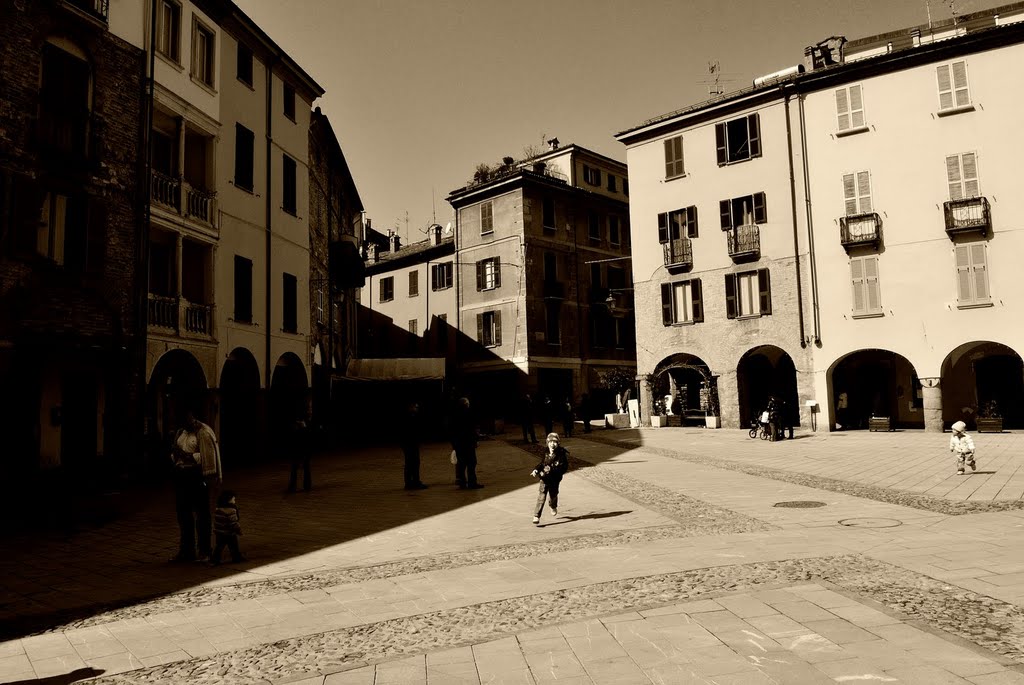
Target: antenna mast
{"x":714,"y":82}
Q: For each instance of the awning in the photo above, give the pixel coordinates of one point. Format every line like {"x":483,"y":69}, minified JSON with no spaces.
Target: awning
{"x":399,"y":369}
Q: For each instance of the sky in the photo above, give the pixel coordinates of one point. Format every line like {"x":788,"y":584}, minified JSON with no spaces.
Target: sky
{"x":421,"y":91}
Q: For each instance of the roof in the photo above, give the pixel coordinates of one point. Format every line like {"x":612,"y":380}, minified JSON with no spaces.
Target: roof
{"x":397,"y":369}
{"x":410,"y":254}
{"x":319,"y":119}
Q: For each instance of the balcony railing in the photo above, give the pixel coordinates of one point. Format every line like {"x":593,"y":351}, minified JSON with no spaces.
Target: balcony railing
{"x":163,"y":312}
{"x":199,"y":318}
{"x":200,"y":205}
{"x":166,"y":190}
{"x":177,"y":315}
{"x":97,"y":9}
{"x":860,"y":229}
{"x":744,"y":242}
{"x":554,"y":290}
{"x":678,"y":252}
{"x":967,"y":215}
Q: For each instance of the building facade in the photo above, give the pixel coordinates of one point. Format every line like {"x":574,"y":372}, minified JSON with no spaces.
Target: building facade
{"x":804,"y":170}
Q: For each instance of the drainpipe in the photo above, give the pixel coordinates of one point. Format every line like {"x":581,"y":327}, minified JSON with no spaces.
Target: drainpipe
{"x":269,"y":192}
{"x":796,"y":241}
{"x":810,"y":223}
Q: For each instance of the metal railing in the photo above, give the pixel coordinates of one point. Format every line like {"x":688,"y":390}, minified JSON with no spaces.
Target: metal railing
{"x":860,"y":229}
{"x":678,"y":252}
{"x":969,"y":214}
{"x":744,"y":241}
{"x":199,"y":205}
{"x":99,"y":9}
{"x":163,"y":311}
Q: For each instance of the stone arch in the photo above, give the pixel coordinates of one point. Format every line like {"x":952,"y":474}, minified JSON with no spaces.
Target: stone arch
{"x":978,"y":373}
{"x":682,"y":381}
{"x":289,"y":393}
{"x":875,"y":382}
{"x":176,"y":384}
{"x":762,"y":372}
{"x":241,"y":410}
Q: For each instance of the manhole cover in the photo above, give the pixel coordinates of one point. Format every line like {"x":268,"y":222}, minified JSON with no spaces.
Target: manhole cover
{"x":800,"y":504}
{"x":871,"y":523}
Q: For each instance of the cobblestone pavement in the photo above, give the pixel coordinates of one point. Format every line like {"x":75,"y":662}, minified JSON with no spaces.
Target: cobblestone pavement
{"x":664,"y":566}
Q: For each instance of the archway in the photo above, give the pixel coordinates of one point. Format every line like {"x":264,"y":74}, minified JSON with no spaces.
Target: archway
{"x":289,"y":389}
{"x":763,"y":372}
{"x":176,"y":385}
{"x":977,"y":374}
{"x":875,"y":382}
{"x":241,"y":424}
{"x":683,"y":383}
{"x":321,"y":388}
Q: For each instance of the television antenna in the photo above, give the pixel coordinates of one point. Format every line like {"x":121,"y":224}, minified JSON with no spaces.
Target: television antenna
{"x":714,"y":81}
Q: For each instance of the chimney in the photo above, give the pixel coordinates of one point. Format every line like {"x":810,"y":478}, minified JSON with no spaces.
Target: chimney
{"x":435,"y":234}
{"x":393,"y":241}
{"x":825,"y":53}
{"x":553,"y":144}
{"x":371,"y":252}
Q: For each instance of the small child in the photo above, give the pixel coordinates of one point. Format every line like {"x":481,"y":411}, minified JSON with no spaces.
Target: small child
{"x":961,"y":444}
{"x":226,"y":528}
{"x":550,"y":470}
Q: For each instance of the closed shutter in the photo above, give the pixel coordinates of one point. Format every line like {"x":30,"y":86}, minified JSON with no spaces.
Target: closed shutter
{"x":497,"y":272}
{"x":497,"y":327}
{"x":480,"y":275}
{"x":953,"y":178}
{"x":96,"y":236}
{"x":697,"y":300}
{"x":754,"y":133}
{"x":843,"y":109}
{"x":674,"y":157}
{"x":764,"y":289}
{"x":433,"y":276}
{"x":663,"y":227}
{"x":871,"y":287}
{"x":691,"y":222}
{"x":666,"y":304}
{"x":725,"y":209}
{"x":864,"y":192}
{"x":961,"y":94}
{"x":980,"y":267}
{"x":857,"y":278}
{"x":760,"y":209}
{"x":480,"y":329}
{"x":964,"y":281}
{"x":720,"y":144}
{"x":850,"y":193}
{"x":945,"y":87}
{"x":969,"y":173}
{"x":730,"y":296}
{"x":856,"y":107}
{"x":243,"y":289}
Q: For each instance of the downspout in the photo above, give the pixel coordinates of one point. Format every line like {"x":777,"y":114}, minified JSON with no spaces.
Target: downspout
{"x":269,"y":192}
{"x":810,"y":224}
{"x":796,"y":236}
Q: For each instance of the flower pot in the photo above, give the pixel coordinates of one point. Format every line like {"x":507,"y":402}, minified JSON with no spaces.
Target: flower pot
{"x":712,"y":422}
{"x":880,"y":423}
{"x":990,"y":425}
{"x":659,"y":421}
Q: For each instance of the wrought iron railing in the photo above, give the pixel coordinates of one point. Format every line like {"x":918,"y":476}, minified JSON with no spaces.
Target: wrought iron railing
{"x":860,"y":229}
{"x":744,"y":241}
{"x":163,"y":311}
{"x":678,"y":252}
{"x":969,"y":214}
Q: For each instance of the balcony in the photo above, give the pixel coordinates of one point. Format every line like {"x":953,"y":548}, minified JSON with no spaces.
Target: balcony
{"x":678,"y":253}
{"x":96,"y":9}
{"x":174,"y":315}
{"x":554,"y":290}
{"x":859,"y":230}
{"x":744,"y":242}
{"x":969,"y":215}
{"x":199,"y":205}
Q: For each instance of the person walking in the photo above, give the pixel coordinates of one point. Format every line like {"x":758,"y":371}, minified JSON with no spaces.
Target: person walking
{"x":463,"y":439}
{"x":226,"y":528}
{"x":547,"y":415}
{"x":550,"y":470}
{"x":411,"y":430}
{"x":962,"y":447}
{"x":196,"y":458}
{"x":301,"y":441}
{"x":568,"y":417}
{"x":526,"y":418}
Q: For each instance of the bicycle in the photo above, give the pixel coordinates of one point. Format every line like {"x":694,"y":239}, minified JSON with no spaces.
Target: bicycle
{"x":758,"y":429}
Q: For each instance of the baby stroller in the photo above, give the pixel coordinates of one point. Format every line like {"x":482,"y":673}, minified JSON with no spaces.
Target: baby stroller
{"x":759,"y":427}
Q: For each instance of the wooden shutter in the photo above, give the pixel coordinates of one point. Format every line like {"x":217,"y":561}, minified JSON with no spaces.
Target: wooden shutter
{"x":433,"y":276}
{"x":497,"y":327}
{"x":850,"y":193}
{"x":760,"y":210}
{"x":480,"y":329}
{"x":979,"y":266}
{"x":691,"y":221}
{"x":953,"y":178}
{"x":674,"y":157}
{"x":96,"y":235}
{"x":697,"y":301}
{"x":764,"y":289}
{"x":969,"y":174}
{"x":414,"y":283}
{"x":857,"y":279}
{"x":663,"y":227}
{"x":497,"y":272}
{"x":856,"y":107}
{"x":666,"y":304}
{"x":730,"y":296}
{"x":843,"y":109}
{"x":945,"y":86}
{"x":480,"y":275}
{"x":754,"y":134}
{"x":871,"y":286}
{"x":725,"y":209}
{"x":961,"y":94}
{"x":720,"y":143}
{"x":964,"y":281}
{"x":864,"y":192}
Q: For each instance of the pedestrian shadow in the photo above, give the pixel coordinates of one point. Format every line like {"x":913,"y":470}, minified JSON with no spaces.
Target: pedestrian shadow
{"x":75,"y":676}
{"x":571,"y":519}
{"x":981,"y":473}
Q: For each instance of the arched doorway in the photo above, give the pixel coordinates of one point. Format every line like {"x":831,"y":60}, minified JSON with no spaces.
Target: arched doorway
{"x":176,"y":385}
{"x":241,"y":424}
{"x":683,"y":382}
{"x":878,"y":383}
{"x":289,"y":389}
{"x":977,"y":374}
{"x":763,"y":372}
{"x":321,"y":386}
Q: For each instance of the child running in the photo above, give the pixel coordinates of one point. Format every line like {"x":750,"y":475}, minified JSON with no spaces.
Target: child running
{"x":550,"y":470}
{"x":961,"y":444}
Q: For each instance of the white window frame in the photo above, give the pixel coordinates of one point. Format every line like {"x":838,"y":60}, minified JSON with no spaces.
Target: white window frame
{"x":169,"y":45}
{"x":203,"y":65}
{"x":971,"y":262}
{"x":682,"y":302}
{"x":486,"y":217}
{"x":857,"y":193}
{"x":748,"y":296}
{"x":490,"y":274}
{"x":962,"y":177}
{"x":866,"y":287}
{"x":850,"y":109}
{"x":953,"y":87}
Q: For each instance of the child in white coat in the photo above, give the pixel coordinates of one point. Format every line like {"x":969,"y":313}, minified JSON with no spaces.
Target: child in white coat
{"x":961,"y":444}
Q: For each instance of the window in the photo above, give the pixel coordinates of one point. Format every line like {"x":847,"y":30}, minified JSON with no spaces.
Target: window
{"x":552,"y":322}
{"x":289,"y":102}
{"x":962,"y":176}
{"x":168,"y":29}
{"x":682,"y":223}
{"x":743,"y":211}
{"x":674,"y":158}
{"x":244,"y":146}
{"x":289,"y":195}
{"x":748,"y":294}
{"x":857,"y":193}
{"x":290,"y":304}
{"x":739,"y":139}
{"x":681,"y":303}
{"x":414,"y":326}
{"x":549,"y":214}
{"x":243,"y":68}
{"x":625,"y":186}
{"x":594,"y":226}
{"x":486,"y":218}
{"x":64,"y":104}
{"x":441,"y":276}
{"x":54,"y":222}
{"x":612,"y":185}
{"x":614,"y":233}
{"x":243,"y":289}
{"x":550,"y":267}
{"x":320,"y":302}
{"x":953,"y":90}
{"x":387,"y":289}
{"x":866,"y":294}
{"x":595,"y":275}
{"x":414,"y":284}
{"x":972,"y":275}
{"x":488,"y":274}
{"x":488,"y":328}
{"x":850,"y":108}
{"x":202,"y":54}
{"x":591,"y":175}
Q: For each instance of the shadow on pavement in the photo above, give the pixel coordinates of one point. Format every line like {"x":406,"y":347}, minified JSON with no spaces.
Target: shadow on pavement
{"x":571,"y":519}
{"x":75,"y":676}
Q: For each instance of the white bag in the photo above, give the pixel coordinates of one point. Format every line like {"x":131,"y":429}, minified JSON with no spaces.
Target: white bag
{"x":453,"y":459}
{"x":764,"y":417}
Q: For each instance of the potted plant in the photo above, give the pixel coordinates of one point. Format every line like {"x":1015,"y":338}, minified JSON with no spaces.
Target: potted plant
{"x":658,"y":418}
{"x":712,"y":419}
{"x":880,"y":423}
{"x":990,"y":419}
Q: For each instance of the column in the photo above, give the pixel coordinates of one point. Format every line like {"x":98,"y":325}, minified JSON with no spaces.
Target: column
{"x":178,"y":250}
{"x":932,"y":394}
{"x":729,"y":400}
{"x":181,"y":168}
{"x":646,"y":383}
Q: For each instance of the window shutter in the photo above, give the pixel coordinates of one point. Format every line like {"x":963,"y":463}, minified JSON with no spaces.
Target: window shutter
{"x":864,"y":191}
{"x":669,"y":159}
{"x":480,"y":275}
{"x":433,"y":276}
{"x":850,"y":193}
{"x":497,"y":272}
{"x":857,"y":278}
{"x":842,"y":109}
{"x":760,"y":211}
{"x":856,"y":107}
{"x":980,"y":267}
{"x":962,"y":96}
{"x":730,"y":296}
{"x":964,"y":282}
{"x":725,"y":208}
{"x":678,"y":145}
{"x":969,"y":164}
{"x":945,"y":86}
{"x":691,"y":222}
{"x":96,"y":236}
{"x":663,"y":227}
{"x":697,"y":299}
{"x":953,"y":177}
{"x":497,"y":327}
{"x":723,"y":155}
{"x":871,"y":287}
{"x":764,"y":287}
{"x":666,"y":304}
{"x":674,"y":157}
{"x":754,"y":133}
{"x":480,"y":329}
